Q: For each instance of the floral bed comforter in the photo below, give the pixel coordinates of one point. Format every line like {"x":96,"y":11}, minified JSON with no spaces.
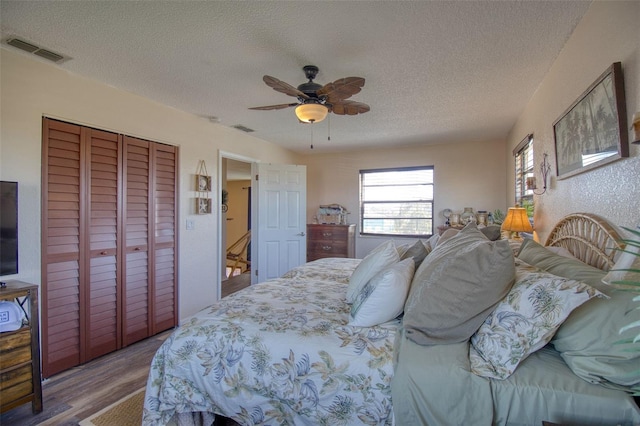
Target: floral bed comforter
{"x":277,"y":353}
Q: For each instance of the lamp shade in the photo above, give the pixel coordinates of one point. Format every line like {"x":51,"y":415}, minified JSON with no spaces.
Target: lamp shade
{"x":311,"y":112}
{"x":516,"y":220}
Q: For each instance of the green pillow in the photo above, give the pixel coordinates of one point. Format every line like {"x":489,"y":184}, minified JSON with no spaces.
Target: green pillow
{"x":587,"y":339}
{"x":417,"y":251}
{"x":456,"y":287}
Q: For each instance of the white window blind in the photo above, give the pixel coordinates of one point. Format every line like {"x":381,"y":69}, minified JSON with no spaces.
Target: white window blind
{"x":524,"y":169}
{"x":397,"y":201}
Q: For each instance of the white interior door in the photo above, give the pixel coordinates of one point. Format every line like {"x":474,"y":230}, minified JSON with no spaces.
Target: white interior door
{"x":281,"y":241}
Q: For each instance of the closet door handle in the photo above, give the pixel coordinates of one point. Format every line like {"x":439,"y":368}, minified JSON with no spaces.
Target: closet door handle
{"x":103,"y":253}
{"x":136,"y":249}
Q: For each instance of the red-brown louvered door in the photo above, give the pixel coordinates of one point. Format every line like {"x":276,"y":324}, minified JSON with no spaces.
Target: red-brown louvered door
{"x":62,"y":248}
{"x":150,"y":236}
{"x":136,"y":222}
{"x":102,"y":296}
{"x":165,"y":251}
{"x":108,"y":242}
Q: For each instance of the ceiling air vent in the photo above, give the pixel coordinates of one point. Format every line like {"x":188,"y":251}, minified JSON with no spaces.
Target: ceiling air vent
{"x":243,"y":128}
{"x":36,"y":50}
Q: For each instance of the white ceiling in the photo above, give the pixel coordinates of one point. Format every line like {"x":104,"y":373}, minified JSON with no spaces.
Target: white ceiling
{"x":436,"y":71}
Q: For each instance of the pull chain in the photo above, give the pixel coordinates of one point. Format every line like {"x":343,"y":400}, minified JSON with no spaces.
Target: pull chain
{"x":329,"y":129}
{"x":312,"y":134}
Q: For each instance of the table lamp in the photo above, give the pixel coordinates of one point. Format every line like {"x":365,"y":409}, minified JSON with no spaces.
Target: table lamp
{"x":516,"y":221}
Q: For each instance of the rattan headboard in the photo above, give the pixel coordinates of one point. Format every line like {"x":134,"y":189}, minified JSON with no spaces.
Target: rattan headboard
{"x":588,"y":237}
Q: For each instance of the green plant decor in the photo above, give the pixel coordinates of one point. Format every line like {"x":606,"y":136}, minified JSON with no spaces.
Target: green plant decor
{"x":498,"y":217}
{"x":528,"y":206}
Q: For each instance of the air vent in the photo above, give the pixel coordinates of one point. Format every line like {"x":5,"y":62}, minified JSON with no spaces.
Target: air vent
{"x":36,"y":50}
{"x":243,"y":128}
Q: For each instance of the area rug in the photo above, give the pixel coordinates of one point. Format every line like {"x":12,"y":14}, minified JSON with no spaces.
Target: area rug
{"x":125,"y":412}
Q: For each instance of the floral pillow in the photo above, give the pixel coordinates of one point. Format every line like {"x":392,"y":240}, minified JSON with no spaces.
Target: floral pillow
{"x":525,"y":320}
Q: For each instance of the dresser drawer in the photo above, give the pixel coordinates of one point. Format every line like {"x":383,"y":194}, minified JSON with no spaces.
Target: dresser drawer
{"x":328,"y":247}
{"x":328,"y":233}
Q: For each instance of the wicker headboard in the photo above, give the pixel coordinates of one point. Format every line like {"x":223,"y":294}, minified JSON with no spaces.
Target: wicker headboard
{"x":588,"y":237}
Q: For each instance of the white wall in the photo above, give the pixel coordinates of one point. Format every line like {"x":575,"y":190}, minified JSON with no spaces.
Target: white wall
{"x":609,"y":32}
{"x":466,"y":174}
{"x":31,"y":89}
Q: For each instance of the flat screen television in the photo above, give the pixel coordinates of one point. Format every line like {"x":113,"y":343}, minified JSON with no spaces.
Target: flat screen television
{"x":8,"y":228}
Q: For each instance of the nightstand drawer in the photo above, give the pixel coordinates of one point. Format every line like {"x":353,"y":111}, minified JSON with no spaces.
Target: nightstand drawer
{"x":15,"y":348}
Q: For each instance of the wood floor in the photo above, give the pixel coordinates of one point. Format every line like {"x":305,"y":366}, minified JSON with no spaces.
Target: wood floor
{"x":74,"y":395}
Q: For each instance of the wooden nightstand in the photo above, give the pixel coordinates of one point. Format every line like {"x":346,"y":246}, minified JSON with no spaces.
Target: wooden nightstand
{"x":20,"y":352}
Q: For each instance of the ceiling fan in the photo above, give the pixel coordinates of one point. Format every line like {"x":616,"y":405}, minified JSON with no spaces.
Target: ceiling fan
{"x":316,"y":101}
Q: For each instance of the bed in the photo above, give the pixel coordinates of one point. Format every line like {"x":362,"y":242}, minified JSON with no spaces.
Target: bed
{"x":290,"y":350}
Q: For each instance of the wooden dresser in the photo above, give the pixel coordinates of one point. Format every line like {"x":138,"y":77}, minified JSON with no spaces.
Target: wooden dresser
{"x":330,"y":241}
{"x":20,"y":352}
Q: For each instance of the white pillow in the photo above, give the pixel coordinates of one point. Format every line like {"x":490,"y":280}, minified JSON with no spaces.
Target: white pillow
{"x":382,"y":298}
{"x":379,"y":258}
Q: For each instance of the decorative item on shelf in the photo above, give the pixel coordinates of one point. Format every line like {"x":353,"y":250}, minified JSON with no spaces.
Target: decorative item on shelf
{"x":635,"y":125}
{"x":454,"y":219}
{"x":516,"y":221}
{"x":333,"y":214}
{"x":468,"y":216}
{"x":545,"y":168}
{"x":482,"y":217}
{"x":203,"y":187}
{"x":446,"y":213}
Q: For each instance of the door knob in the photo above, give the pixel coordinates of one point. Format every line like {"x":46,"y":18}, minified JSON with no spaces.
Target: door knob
{"x":302,"y":234}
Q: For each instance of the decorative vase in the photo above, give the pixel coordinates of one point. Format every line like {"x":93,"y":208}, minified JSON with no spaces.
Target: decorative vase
{"x":468,"y":216}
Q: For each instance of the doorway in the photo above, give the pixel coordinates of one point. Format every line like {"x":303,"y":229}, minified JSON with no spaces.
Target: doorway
{"x":235,"y":223}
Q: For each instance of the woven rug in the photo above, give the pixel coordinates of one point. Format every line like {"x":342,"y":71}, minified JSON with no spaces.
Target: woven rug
{"x":125,"y":412}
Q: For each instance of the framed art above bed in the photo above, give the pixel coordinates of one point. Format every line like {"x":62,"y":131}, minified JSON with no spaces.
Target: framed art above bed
{"x":593,"y":131}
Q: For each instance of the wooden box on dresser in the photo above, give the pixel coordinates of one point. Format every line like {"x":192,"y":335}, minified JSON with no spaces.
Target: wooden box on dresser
{"x":20,"y":352}
{"x":330,"y":241}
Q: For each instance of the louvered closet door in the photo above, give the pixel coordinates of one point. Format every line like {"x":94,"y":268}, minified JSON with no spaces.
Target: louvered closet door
{"x":103,"y":305}
{"x":164,"y":237}
{"x":136,"y":236}
{"x":62,"y":247}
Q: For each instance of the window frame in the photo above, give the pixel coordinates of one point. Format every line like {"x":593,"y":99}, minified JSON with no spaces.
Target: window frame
{"x":363,"y":202}
{"x":523,"y":169}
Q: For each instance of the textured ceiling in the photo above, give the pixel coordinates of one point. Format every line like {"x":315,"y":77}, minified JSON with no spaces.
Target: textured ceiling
{"x":436,"y":72}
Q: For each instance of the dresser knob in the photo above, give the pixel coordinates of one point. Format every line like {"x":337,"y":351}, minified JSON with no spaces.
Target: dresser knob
{"x":326,"y":248}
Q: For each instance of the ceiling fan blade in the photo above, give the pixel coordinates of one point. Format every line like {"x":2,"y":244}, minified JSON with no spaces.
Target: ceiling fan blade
{"x":342,"y":89}
{"x":349,"y":108}
{"x":282,"y":87}
{"x":280,"y":106}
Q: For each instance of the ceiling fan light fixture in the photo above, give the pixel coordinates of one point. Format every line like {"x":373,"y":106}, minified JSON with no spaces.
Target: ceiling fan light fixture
{"x":311,"y":112}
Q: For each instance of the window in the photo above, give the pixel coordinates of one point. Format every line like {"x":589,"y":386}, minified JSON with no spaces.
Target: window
{"x":524,"y":170}
{"x":397,"y":201}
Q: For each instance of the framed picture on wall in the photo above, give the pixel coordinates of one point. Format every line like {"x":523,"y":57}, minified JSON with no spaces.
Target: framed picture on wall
{"x":593,"y":130}
{"x":203,"y":183}
{"x":203,"y":205}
